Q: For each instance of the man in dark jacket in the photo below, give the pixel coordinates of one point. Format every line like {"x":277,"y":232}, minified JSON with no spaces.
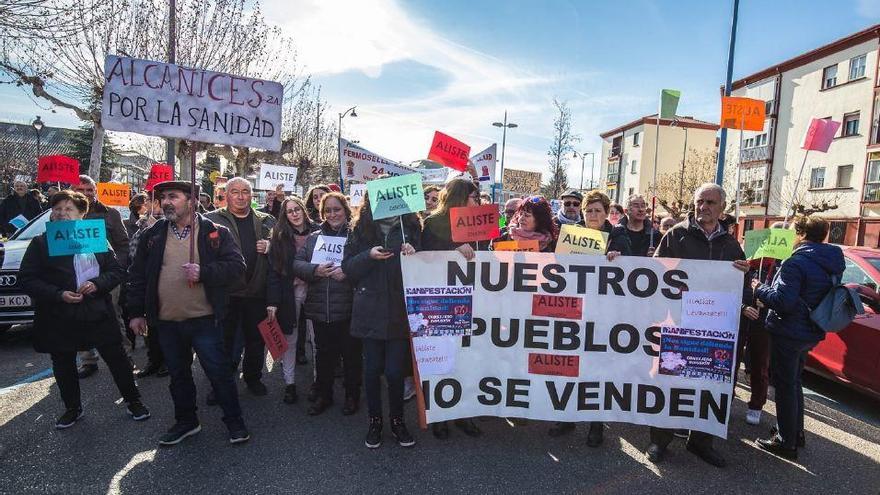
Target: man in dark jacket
{"x":247,"y":304}
{"x":183,"y":297}
{"x":18,"y":203}
{"x":570,"y":213}
{"x":273,"y":201}
{"x":701,"y":237}
{"x":117,"y":235}
{"x":634,"y":235}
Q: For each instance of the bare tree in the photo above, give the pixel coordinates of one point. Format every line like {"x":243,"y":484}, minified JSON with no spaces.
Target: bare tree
{"x":675,"y":190}
{"x":561,"y":148}
{"x":221,"y":35}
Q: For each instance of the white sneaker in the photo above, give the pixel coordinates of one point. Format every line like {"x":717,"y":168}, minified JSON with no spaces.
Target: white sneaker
{"x":753,"y":416}
{"x":409,"y":388}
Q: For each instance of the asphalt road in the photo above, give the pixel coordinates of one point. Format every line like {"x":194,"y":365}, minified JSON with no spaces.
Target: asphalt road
{"x":291,"y":452}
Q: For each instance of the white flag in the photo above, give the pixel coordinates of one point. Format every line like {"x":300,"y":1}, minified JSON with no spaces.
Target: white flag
{"x":484,"y":162}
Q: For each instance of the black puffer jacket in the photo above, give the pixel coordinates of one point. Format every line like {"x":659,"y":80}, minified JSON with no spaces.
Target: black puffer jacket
{"x":327,"y":300}
{"x":619,"y":239}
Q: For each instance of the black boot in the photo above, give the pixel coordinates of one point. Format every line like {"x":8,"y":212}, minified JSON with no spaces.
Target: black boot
{"x":374,"y":434}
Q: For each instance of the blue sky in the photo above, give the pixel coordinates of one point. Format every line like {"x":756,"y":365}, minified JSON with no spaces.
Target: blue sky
{"x":415,"y":66}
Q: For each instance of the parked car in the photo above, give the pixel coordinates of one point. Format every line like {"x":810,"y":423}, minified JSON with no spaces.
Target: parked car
{"x":852,"y":356}
{"x":16,"y":306}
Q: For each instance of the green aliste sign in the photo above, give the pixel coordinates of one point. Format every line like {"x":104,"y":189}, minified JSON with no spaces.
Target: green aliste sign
{"x":396,"y":196}
{"x":769,"y":243}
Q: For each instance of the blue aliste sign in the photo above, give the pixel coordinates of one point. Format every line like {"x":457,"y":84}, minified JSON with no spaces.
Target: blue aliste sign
{"x":76,"y":237}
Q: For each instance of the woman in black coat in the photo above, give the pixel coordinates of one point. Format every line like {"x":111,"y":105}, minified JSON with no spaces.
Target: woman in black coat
{"x":328,"y":306}
{"x":74,"y":312}
{"x":437,"y":236}
{"x":378,"y":316}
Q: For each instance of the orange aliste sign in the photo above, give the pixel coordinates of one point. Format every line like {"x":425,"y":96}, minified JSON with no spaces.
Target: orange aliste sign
{"x":745,"y":114}
{"x":113,"y":194}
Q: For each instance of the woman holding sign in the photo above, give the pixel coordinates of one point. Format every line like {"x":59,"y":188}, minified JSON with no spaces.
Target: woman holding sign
{"x":533,"y":221}
{"x":437,"y":236}
{"x":328,"y":305}
{"x":74,"y":311}
{"x":285,"y":293}
{"x":378,"y":316}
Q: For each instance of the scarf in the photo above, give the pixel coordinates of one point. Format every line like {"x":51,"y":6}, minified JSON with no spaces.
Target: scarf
{"x":564,"y":220}
{"x":518,"y":234}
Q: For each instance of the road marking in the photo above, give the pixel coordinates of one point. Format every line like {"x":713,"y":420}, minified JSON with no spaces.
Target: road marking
{"x":46,"y":373}
{"x":140,"y":457}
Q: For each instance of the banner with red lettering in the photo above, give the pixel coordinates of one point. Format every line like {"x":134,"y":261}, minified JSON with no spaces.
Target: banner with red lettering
{"x":474,"y":223}
{"x":448,"y":151}
{"x":58,"y":168}
{"x":274,"y":338}
{"x":167,"y":100}
{"x":360,"y":164}
{"x":574,"y":337}
{"x":159,"y":172}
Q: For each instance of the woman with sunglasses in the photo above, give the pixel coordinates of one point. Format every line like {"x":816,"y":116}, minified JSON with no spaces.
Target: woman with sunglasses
{"x":437,"y":236}
{"x":285,"y":293}
{"x":328,"y":306}
{"x":533,"y":221}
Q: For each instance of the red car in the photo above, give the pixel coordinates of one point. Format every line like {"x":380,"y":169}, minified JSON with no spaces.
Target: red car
{"x":852,"y":356}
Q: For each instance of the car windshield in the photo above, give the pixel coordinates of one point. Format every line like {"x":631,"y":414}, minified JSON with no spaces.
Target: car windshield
{"x":38,"y":225}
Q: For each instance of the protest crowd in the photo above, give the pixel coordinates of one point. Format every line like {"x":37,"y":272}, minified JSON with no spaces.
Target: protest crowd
{"x":194,"y":278}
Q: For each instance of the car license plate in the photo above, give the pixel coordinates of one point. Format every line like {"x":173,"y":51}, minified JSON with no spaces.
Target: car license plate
{"x":16,"y":301}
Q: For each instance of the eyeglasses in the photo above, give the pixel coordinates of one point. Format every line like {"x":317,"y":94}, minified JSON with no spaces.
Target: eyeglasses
{"x":569,"y":204}
{"x":294,"y":210}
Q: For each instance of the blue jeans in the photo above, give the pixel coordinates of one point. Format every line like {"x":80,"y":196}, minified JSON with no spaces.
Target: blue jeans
{"x":204,"y":335}
{"x":388,"y":357}
{"x":787,"y":357}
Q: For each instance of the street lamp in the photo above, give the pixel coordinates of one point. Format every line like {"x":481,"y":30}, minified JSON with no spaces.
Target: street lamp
{"x":339,"y":140}
{"x":506,"y":126}
{"x":592,"y":166}
{"x":38,"y":126}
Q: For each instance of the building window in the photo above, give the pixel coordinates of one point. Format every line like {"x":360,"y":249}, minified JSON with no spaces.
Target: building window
{"x":872,"y":182}
{"x":768,"y":107}
{"x":634,"y":166}
{"x":829,"y":77}
{"x":748,"y":143}
{"x":817,"y":178}
{"x":749,"y":225}
{"x":844,"y":175}
{"x":857,"y":67}
{"x":851,"y":124}
{"x":631,"y":192}
{"x":636,"y":137}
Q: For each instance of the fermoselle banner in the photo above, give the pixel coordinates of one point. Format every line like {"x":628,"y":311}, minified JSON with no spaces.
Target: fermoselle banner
{"x":562,"y":337}
{"x":167,"y":100}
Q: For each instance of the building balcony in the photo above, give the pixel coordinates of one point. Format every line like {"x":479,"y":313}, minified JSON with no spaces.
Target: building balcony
{"x":872,"y":192}
{"x":612,"y":177}
{"x":760,"y":153}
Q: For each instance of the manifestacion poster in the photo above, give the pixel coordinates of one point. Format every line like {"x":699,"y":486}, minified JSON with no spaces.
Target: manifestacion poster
{"x":573,"y":337}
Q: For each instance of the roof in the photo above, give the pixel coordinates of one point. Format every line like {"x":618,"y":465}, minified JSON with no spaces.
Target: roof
{"x":868,"y":34}
{"x":686,"y":121}
{"x":18,"y":142}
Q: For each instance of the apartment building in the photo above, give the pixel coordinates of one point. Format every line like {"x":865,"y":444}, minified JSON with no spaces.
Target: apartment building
{"x":627,"y":160}
{"x":838,"y":81}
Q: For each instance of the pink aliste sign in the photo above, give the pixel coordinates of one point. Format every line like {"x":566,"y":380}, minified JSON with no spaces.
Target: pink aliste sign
{"x":820,"y":134}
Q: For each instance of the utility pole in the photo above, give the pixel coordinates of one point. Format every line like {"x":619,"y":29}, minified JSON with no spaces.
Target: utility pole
{"x":722,"y":142}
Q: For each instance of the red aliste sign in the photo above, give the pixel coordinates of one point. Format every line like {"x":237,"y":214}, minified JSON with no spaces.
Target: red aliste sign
{"x":474,"y":223}
{"x":159,"y":172}
{"x":58,"y":168}
{"x":448,"y":151}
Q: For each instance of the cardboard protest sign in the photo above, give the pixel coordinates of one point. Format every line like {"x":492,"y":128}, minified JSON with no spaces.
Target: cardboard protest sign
{"x":356,"y":194}
{"x":555,"y":338}
{"x":484,"y":162}
{"x":272,"y":175}
{"x":76,"y":237}
{"x":360,"y":164}
{"x":521,"y":246}
{"x":396,"y":196}
{"x":19,"y":221}
{"x":574,"y":239}
{"x":439,"y":311}
{"x":474,"y":223}
{"x":448,"y":151}
{"x":769,"y":243}
{"x":820,"y":134}
{"x":521,"y":181}
{"x":58,"y":168}
{"x":159,"y":172}
{"x":742,"y":113}
{"x":274,"y":338}
{"x":113,"y":193}
{"x":328,"y":249}
{"x":167,"y":100}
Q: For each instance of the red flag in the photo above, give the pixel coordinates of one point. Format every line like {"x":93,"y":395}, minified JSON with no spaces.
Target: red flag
{"x":159,"y":172}
{"x":448,"y":151}
{"x":820,"y":134}
{"x":58,"y":168}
